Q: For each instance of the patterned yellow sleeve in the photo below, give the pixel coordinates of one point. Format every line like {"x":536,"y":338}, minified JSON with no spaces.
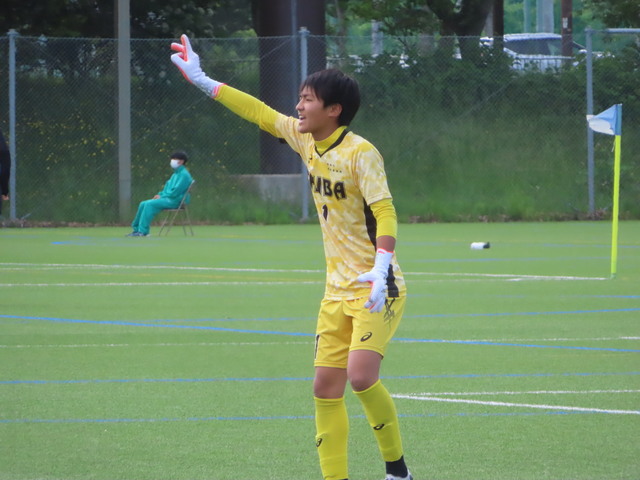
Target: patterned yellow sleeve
{"x":386,"y":219}
{"x":249,"y":108}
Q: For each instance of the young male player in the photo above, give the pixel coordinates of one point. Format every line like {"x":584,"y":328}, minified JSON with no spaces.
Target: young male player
{"x":365,"y":291}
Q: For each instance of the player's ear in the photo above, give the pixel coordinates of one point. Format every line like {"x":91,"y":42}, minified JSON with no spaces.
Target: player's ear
{"x":334,"y":110}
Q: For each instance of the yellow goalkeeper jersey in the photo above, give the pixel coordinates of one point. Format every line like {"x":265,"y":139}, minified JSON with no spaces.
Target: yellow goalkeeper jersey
{"x":346,"y":175}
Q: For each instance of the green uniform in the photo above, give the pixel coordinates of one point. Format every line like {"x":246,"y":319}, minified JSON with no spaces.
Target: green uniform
{"x":170,"y":197}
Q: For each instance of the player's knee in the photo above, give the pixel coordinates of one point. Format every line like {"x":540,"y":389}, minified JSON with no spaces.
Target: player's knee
{"x":360,"y":381}
{"x":329,"y":383}
{"x":326,"y":390}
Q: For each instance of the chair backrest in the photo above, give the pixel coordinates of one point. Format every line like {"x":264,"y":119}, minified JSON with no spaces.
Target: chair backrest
{"x":186,"y":195}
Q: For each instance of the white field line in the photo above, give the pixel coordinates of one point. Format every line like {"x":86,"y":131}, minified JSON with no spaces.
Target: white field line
{"x":62,"y":266}
{"x":153,"y":284}
{"x":521,"y":340}
{"x":530,"y":392}
{"x":507,"y":276}
{"x":473,"y":276}
{"x":137,"y":345}
{"x":518,"y":405}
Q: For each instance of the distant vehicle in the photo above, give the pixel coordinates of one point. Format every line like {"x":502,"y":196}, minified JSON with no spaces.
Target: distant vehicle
{"x":536,"y":51}
{"x":359,"y":63}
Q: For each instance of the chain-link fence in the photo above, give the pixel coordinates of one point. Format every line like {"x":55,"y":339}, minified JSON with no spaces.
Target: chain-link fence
{"x":467,"y":134}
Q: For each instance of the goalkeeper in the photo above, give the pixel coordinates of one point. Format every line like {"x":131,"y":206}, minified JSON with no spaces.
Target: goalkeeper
{"x":365,"y":292}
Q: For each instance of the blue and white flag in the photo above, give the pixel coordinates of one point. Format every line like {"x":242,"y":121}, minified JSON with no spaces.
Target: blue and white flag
{"x":608,"y":122}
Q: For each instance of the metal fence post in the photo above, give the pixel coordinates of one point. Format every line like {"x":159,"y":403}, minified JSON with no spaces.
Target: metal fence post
{"x":590,"y":163}
{"x":304,"y":35}
{"x":124,"y":109}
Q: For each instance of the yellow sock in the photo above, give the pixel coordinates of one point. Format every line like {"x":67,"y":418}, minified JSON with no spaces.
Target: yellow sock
{"x":383,"y":418}
{"x":332,"y":427}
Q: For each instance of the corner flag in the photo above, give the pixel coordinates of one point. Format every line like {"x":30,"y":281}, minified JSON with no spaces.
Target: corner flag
{"x":609,"y":122}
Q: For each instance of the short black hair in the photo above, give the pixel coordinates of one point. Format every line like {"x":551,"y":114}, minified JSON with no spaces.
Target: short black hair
{"x":333,"y":86}
{"x":180,"y":156}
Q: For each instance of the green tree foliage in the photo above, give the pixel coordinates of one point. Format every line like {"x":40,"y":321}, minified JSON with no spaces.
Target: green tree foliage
{"x":464,"y":18}
{"x":616,"y":13}
{"x":149,"y":18}
{"x":396,"y":17}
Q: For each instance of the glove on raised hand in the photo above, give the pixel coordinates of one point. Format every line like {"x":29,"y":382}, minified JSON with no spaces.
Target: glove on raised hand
{"x":188,"y":62}
{"x":377,"y":277}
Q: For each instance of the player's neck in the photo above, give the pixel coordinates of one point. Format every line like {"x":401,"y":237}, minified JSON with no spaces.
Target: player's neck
{"x":325,"y":144}
{"x":325,"y":132}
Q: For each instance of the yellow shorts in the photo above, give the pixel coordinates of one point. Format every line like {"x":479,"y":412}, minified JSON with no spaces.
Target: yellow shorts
{"x":345,"y":325}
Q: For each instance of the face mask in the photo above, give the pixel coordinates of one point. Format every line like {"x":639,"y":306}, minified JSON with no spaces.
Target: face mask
{"x":175,"y":164}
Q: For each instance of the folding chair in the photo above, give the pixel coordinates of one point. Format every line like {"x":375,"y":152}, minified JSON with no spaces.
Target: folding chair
{"x":172,"y":213}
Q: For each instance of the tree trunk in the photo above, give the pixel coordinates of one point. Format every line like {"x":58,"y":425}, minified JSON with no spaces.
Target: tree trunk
{"x":467,"y":23}
{"x":277,"y":23}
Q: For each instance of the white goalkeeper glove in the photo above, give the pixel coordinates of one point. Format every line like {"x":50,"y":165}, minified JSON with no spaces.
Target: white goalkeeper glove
{"x":188,"y":62}
{"x":377,"y":277}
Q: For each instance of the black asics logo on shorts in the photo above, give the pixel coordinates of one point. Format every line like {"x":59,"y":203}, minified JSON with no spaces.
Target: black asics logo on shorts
{"x":318,"y":442}
{"x":380,"y":426}
{"x":366,"y":337}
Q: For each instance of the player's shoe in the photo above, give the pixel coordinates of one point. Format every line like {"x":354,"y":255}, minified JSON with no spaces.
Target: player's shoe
{"x":393,"y":477}
{"x":138,"y":234}
{"x":132,"y":234}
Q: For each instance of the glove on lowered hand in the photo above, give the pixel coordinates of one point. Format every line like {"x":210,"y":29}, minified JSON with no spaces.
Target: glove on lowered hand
{"x":377,"y":277}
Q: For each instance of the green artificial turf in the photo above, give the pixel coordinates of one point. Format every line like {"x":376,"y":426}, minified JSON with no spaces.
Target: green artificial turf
{"x":191,"y":357}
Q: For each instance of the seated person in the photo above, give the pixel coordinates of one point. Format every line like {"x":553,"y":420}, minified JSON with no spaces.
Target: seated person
{"x":169,"y":197}
{"x":5,"y":170}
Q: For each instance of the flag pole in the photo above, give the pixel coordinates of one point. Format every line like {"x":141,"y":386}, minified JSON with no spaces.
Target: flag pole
{"x":616,"y":206}
{"x":609,"y":122}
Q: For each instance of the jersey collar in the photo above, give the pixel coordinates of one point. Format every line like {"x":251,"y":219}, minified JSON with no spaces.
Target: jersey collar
{"x":332,"y":141}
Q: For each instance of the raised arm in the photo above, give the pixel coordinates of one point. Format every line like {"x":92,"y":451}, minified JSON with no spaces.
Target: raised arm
{"x":240,"y":103}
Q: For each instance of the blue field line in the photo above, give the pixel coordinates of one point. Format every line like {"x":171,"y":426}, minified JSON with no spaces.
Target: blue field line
{"x":632,"y":297}
{"x":308,"y":379}
{"x":155,"y":380}
{"x":256,"y":319}
{"x":426,"y":315}
{"x":310,"y":335}
{"x":518,"y":314}
{"x":123,"y":323}
{"x":10,"y":421}
{"x":522,"y":345}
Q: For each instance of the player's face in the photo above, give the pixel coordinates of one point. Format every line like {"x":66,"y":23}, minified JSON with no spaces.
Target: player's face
{"x":314,"y":117}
